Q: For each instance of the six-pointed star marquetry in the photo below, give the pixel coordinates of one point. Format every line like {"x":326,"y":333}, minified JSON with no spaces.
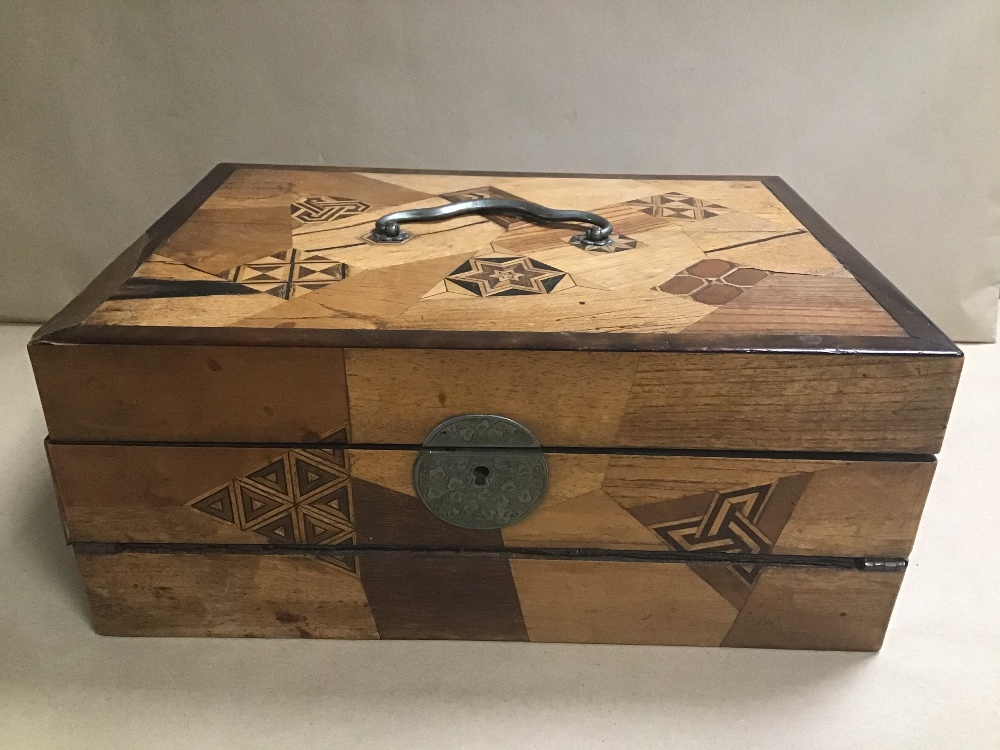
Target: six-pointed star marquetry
{"x":497,"y":276}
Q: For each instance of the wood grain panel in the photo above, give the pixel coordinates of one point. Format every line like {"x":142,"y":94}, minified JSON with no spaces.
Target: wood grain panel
{"x":836,"y":402}
{"x":819,"y":402}
{"x":590,"y":520}
{"x":638,"y":480}
{"x":257,"y":596}
{"x":811,"y":608}
{"x":786,"y":304}
{"x":134,"y":493}
{"x":642,"y":310}
{"x":856,"y":504}
{"x":784,"y":253}
{"x":455,"y":597}
{"x":564,"y":398}
{"x":195,"y":393}
{"x":222,"y":309}
{"x":572,"y":601}
{"x":114,"y":493}
{"x":339,"y":183}
{"x":215,"y":246}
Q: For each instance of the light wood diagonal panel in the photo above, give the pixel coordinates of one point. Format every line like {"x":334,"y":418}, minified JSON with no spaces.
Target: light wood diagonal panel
{"x":569,"y":310}
{"x":590,"y":520}
{"x":784,"y":253}
{"x":564,"y":398}
{"x":636,"y":480}
{"x":341,"y":184}
{"x":288,"y":596}
{"x":150,"y":493}
{"x":860,"y":502}
{"x":224,"y":309}
{"x":812,"y":608}
{"x":217,"y":246}
{"x":435,"y":184}
{"x":572,"y":601}
{"x":579,"y":193}
{"x":161,"y":267}
{"x":659,"y":254}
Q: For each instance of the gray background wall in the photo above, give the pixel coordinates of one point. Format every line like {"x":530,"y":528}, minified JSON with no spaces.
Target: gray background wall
{"x":882,"y":115}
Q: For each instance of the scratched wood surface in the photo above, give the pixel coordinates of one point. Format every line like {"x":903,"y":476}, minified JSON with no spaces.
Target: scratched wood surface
{"x":421,"y":597}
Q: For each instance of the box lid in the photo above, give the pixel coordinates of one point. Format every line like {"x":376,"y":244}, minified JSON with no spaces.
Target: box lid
{"x":284,"y":256}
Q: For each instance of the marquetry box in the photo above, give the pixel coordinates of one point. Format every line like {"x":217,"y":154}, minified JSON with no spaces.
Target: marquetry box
{"x":628,"y":409}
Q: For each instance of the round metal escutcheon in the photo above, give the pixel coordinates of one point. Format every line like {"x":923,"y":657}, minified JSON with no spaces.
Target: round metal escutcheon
{"x":480,"y":471}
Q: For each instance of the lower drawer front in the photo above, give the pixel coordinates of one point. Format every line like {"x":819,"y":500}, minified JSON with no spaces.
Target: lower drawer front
{"x":351,"y":497}
{"x":428,"y":596}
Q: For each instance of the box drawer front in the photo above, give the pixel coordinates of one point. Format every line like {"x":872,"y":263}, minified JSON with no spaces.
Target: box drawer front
{"x":348,"y":497}
{"x":402,"y":595}
{"x":720,"y":401}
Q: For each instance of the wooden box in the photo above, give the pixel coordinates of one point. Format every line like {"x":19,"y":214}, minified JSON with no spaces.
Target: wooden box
{"x":736,"y":415}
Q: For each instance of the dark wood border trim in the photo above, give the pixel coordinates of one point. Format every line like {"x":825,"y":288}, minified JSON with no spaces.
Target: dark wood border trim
{"x":904,"y":312}
{"x":499,"y":340}
{"x":62,"y":326}
{"x":896,"y":564}
{"x":849,"y":457}
{"x":924,"y":338}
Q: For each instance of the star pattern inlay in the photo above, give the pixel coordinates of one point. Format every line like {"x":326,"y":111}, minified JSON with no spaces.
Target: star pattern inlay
{"x":506,"y":276}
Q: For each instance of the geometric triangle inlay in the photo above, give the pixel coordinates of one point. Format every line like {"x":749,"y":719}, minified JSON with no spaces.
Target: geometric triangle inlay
{"x":255,"y":505}
{"x":335,"y":503}
{"x":281,"y":529}
{"x":272,"y":476}
{"x":311,"y":477}
{"x":218,"y":504}
{"x":318,"y":532}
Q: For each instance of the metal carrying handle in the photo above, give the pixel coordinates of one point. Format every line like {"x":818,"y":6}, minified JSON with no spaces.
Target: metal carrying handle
{"x":387,"y":228}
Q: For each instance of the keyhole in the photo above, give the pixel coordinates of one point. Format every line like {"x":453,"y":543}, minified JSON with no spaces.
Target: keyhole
{"x":480,"y":473}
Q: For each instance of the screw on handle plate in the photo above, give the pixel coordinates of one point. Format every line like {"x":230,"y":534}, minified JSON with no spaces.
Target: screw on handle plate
{"x":480,"y":471}
{"x":388,"y":229}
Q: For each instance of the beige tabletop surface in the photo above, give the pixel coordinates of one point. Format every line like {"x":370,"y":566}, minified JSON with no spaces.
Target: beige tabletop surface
{"x":934,"y":684}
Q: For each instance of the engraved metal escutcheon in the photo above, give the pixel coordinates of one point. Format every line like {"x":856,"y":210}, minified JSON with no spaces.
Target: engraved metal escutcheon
{"x":480,"y":471}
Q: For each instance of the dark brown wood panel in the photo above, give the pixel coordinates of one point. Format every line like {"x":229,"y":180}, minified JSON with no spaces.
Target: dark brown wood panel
{"x":195,"y":393}
{"x":841,"y":610}
{"x":434,"y":597}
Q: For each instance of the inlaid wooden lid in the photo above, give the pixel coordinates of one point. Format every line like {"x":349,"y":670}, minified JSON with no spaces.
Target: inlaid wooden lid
{"x":282,"y":255}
